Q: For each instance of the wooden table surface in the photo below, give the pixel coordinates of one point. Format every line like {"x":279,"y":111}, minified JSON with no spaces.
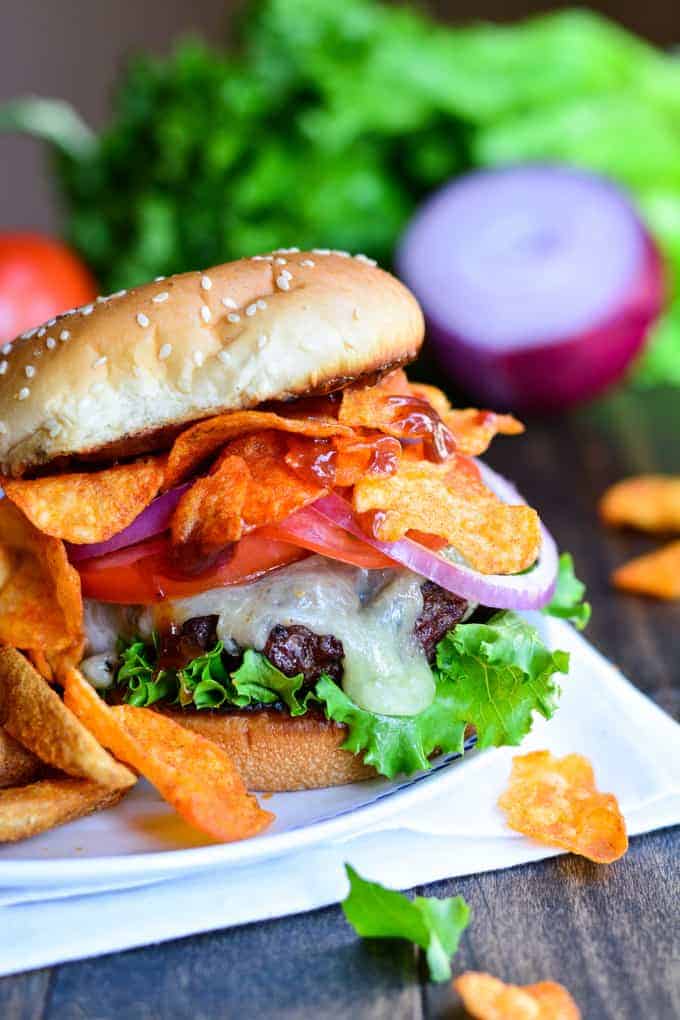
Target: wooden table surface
{"x":609,"y":933}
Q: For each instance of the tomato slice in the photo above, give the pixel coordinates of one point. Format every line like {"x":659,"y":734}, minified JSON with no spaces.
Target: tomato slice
{"x":308,"y":530}
{"x":141,"y":574}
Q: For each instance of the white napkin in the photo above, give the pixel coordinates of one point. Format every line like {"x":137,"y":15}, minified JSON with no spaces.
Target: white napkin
{"x":634,"y":748}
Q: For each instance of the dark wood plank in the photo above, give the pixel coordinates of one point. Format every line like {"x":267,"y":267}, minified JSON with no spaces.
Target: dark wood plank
{"x":24,"y":997}
{"x":310,"y":965}
{"x":610,"y":934}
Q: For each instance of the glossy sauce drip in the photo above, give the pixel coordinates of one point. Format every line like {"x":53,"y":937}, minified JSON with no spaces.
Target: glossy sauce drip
{"x":332,"y":463}
{"x":417,"y":419}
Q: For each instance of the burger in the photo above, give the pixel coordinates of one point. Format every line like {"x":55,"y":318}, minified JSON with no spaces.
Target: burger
{"x":227,"y":507}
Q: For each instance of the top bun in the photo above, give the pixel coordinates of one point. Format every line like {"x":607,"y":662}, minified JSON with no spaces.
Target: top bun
{"x":119,"y":376}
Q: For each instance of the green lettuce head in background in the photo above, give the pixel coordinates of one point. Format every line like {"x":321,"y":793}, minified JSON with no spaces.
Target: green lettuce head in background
{"x":327,"y":123}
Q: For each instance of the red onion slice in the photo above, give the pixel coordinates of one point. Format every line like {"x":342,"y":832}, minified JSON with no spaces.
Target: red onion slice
{"x":531,"y":590}
{"x":538,"y":283}
{"x":152,"y":521}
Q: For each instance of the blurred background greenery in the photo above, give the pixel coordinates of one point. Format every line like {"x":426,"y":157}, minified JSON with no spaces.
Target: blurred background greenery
{"x":321,"y":122}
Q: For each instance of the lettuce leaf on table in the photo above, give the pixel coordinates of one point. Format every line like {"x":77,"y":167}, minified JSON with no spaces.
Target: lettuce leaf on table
{"x":434,"y":924}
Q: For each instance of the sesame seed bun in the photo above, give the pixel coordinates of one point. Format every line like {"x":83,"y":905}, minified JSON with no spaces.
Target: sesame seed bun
{"x":275,"y":752}
{"x":119,"y":376}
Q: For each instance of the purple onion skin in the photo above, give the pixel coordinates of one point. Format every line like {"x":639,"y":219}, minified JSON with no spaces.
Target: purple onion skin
{"x":555,"y":376}
{"x":557,"y":353}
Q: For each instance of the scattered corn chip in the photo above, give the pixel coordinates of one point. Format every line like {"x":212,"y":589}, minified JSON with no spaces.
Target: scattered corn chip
{"x":29,"y":810}
{"x":40,"y":599}
{"x":88,"y":507}
{"x":190,"y":772}
{"x":403,"y":416}
{"x":201,"y":441}
{"x":657,"y":573}
{"x":17,"y":764}
{"x":32,"y":713}
{"x":487,"y":998}
{"x":494,"y":538}
{"x":473,"y":430}
{"x":648,"y":502}
{"x":554,"y":800}
{"x":209,"y":514}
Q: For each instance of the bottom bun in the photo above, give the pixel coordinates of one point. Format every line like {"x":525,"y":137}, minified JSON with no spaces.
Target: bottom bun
{"x":275,"y":752}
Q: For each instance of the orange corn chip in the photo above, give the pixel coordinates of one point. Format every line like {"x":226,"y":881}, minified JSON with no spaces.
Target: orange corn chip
{"x":554,"y":800}
{"x":276,"y":490}
{"x":657,"y":573}
{"x":648,"y":502}
{"x":473,"y":430}
{"x":204,"y":439}
{"x":40,"y":600}
{"x":194,"y":775}
{"x":400,"y":415}
{"x":343,"y":461}
{"x":494,"y":538}
{"x":487,"y":998}
{"x":88,"y":507}
{"x":209,"y":514}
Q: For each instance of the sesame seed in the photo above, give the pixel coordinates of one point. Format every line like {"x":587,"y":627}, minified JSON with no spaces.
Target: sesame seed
{"x":28,"y":334}
{"x":100,"y":361}
{"x":234,"y":317}
{"x":198,"y":358}
{"x":87,"y":309}
{"x":229,"y":302}
{"x":261,"y":303}
{"x":342,"y":254}
{"x":50,"y":343}
{"x":251,"y":309}
{"x":262,"y":340}
{"x":293,"y":250}
{"x":225,"y":357}
{"x":321,"y":251}
{"x":257,"y":258}
{"x":7,"y":349}
{"x":29,"y":371}
{"x":206,"y":282}
{"x":102,"y":299}
{"x":206,"y":314}
{"x":157,"y":279}
{"x":308,"y":263}
{"x":283,"y":282}
{"x":51,"y":322}
{"x":23,"y":393}
{"x":287,"y":274}
{"x":165,"y":351}
{"x":365,"y":259}
{"x":3,"y":367}
{"x":119,"y":293}
{"x":160,"y":298}
{"x":64,"y":335}
{"x":142,"y":319}
{"x":42,"y":331}
{"x":281,"y":262}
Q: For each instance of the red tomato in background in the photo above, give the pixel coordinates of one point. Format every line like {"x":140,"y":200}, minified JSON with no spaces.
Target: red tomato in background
{"x":39,"y":278}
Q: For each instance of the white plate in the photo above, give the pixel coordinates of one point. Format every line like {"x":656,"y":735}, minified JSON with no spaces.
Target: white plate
{"x":142,"y":839}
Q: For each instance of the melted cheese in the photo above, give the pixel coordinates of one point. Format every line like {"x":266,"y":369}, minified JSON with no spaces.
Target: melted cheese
{"x":373,"y":613}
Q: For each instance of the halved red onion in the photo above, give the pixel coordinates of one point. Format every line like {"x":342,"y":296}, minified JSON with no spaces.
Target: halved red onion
{"x":531,"y":590}
{"x":152,"y":521}
{"x":538,"y":283}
